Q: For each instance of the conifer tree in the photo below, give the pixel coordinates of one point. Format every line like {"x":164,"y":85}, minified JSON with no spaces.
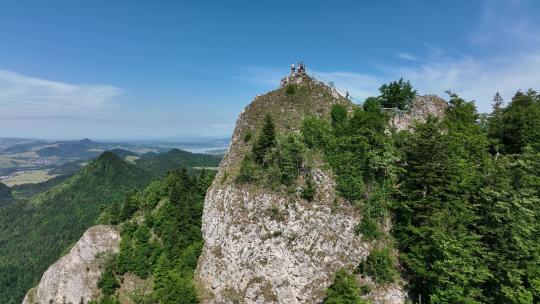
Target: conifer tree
{"x":266,"y":140}
{"x":397,"y":94}
{"x":442,"y":256}
{"x":344,"y":290}
{"x":518,"y":125}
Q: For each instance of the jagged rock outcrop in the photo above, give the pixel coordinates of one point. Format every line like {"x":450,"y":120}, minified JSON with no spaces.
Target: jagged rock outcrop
{"x":266,"y":246}
{"x":423,"y":106}
{"x":73,"y":278}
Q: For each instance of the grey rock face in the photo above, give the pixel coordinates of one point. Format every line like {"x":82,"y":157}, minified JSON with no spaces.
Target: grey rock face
{"x":264,"y":246}
{"x":423,"y":107}
{"x":74,"y":276}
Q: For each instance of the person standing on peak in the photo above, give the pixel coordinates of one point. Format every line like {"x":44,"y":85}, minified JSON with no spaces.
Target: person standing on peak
{"x":293,"y":69}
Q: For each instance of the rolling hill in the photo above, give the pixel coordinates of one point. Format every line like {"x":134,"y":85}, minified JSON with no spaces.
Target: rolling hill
{"x":160,"y":164}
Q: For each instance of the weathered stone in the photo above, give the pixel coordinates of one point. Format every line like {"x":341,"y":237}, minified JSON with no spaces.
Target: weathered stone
{"x":423,"y":107}
{"x":266,"y":246}
{"x":73,"y":278}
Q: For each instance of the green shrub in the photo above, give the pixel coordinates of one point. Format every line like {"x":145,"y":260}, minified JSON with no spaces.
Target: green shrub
{"x":365,"y":289}
{"x":248,"y":136}
{"x":315,"y":132}
{"x":290,"y":89}
{"x":276,"y":214}
{"x":368,"y":228}
{"x":380,"y":265}
{"x":248,"y":170}
{"x":339,"y":115}
{"x":372,"y":104}
{"x":309,"y":191}
{"x":108,"y":282}
{"x":286,"y":159}
{"x":344,"y":290}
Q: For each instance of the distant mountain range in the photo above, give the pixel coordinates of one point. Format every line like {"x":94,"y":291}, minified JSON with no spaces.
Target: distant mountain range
{"x":56,"y":157}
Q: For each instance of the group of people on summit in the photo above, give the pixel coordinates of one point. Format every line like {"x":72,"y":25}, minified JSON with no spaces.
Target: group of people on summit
{"x":301,"y":68}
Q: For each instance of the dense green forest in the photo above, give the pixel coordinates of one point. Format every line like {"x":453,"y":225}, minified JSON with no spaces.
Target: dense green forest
{"x":26,"y":191}
{"x":33,"y":234}
{"x":161,"y":238}
{"x":462,"y":193}
{"x":160,"y":164}
{"x":6,"y":195}
{"x":43,"y":220}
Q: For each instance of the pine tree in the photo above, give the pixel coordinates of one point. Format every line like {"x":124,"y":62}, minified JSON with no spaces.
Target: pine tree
{"x":266,"y":140}
{"x":498,"y":103}
{"x":397,"y":94}
{"x":510,"y":224}
{"x":344,"y":290}
{"x":442,"y":256}
{"x":518,"y":125}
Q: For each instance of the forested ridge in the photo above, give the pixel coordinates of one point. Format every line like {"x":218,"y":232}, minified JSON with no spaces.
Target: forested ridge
{"x":33,"y":234}
{"x":160,"y":164}
{"x":161,"y":239}
{"x":49,"y":217}
{"x":461,"y":192}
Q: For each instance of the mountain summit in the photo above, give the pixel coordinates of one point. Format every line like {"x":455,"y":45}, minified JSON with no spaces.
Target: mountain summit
{"x":270,"y":244}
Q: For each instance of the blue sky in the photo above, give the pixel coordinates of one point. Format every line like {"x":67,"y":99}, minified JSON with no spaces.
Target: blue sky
{"x":151,"y":69}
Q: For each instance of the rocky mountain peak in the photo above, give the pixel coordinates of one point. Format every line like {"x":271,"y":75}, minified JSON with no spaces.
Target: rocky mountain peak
{"x":299,"y":96}
{"x":266,"y":246}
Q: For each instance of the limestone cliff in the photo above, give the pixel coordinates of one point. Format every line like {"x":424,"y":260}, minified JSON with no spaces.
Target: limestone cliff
{"x":423,"y":106}
{"x":266,"y":246}
{"x":73,"y":278}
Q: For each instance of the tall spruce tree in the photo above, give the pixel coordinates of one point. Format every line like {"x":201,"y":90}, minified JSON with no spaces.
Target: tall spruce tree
{"x":518,"y":125}
{"x":443,"y":258}
{"x":266,"y":140}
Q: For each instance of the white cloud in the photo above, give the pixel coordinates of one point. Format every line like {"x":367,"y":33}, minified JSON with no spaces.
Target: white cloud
{"x":508,"y":40}
{"x":407,"y":56}
{"x":24,"y":92}
{"x":360,"y":86}
{"x":471,"y":78}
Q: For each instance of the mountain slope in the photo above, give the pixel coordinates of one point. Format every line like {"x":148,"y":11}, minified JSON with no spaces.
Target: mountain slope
{"x":271,"y":244}
{"x":122,"y":153}
{"x":160,"y":226}
{"x":84,"y":148}
{"x":6,"y":196}
{"x":175,"y":159}
{"x":33,"y":234}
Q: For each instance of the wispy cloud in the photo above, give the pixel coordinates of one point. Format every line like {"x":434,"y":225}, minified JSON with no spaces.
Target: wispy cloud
{"x":472,"y":78}
{"x":360,"y":86}
{"x":20,"y":90}
{"x":407,"y":56}
{"x":259,"y":74}
{"x":505,"y":58}
{"x":507,"y":44}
